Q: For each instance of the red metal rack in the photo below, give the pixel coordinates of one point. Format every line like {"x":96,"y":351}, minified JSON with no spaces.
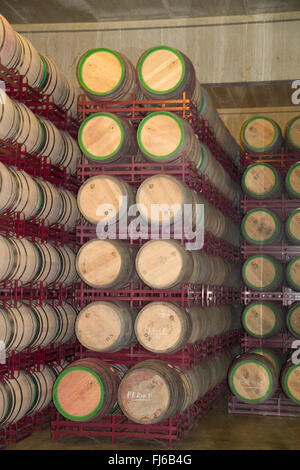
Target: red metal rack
{"x":187,"y":357}
{"x":281,"y":207}
{"x":283,"y":341}
{"x":278,"y":405}
{"x":17,"y":88}
{"x":35,"y":359}
{"x":282,"y":160}
{"x":137,"y":294}
{"x":282,"y":251}
{"x":286,"y":296}
{"x":118,"y":426}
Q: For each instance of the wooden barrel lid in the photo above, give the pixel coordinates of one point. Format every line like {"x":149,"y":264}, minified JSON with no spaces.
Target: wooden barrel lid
{"x":100,"y":71}
{"x":259,"y":319}
{"x":259,"y":180}
{"x":293,"y":225}
{"x":100,"y":191}
{"x":99,"y":263}
{"x":293,"y":180}
{"x":161,"y":69}
{"x":160,"y":134}
{"x":144,"y":395}
{"x":291,"y":380}
{"x":250,"y":379}
{"x":259,"y":225}
{"x":160,"y":189}
{"x":293,"y":320}
{"x":259,"y":133}
{"x":293,"y":273}
{"x":158,"y":327}
{"x":159,"y":263}
{"x":100,"y":136}
{"x":259,"y":271}
{"x":78,"y":393}
{"x":98,"y":326}
{"x":293,"y":132}
{"x":271,"y":355}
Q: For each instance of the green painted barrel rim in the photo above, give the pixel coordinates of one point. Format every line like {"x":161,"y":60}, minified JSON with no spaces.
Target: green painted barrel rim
{"x":140,"y":128}
{"x":44,"y":71}
{"x":42,"y":198}
{"x":35,"y":392}
{"x":245,"y":125}
{"x":142,"y":60}
{"x":246,"y":264}
{"x":245,"y":220}
{"x":243,"y":319}
{"x":270,"y":353}
{"x":288,"y":180}
{"x":80,"y":131}
{"x":56,"y":401}
{"x":288,"y":222}
{"x":288,"y":132}
{"x":251,"y":193}
{"x":43,"y":137}
{"x":201,"y":104}
{"x":286,"y":378}
{"x":81,"y":64}
{"x":289,"y":322}
{"x":249,"y":400}
{"x":288,"y":273}
{"x":202,"y":157}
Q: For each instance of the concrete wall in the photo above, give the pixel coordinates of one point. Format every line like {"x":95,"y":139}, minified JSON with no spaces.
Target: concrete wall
{"x":254,"y":48}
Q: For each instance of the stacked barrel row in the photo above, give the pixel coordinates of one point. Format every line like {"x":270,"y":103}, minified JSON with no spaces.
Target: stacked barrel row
{"x":36,"y":134}
{"x":162,"y":73}
{"x":272,"y":227}
{"x":40,"y":72}
{"x":155,"y":389}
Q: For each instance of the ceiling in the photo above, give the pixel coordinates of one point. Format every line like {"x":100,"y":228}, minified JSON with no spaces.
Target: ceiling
{"x":85,"y":11}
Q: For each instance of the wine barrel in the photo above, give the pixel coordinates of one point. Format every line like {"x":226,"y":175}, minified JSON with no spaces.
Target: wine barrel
{"x":106,"y":263}
{"x":106,"y":326}
{"x":72,"y":153}
{"x":106,"y":138}
{"x":293,"y":273}
{"x":50,"y":264}
{"x":161,"y":198}
{"x":8,"y":188}
{"x":187,"y":379}
{"x":252,"y":378}
{"x":107,"y":75}
{"x":162,"y":327}
{"x":17,"y":395}
{"x":7,"y":259}
{"x":292,"y":227}
{"x":30,"y":65}
{"x":275,"y":357}
{"x":18,"y":327}
{"x":10,"y":51}
{"x":66,"y":314}
{"x":9,"y":117}
{"x":51,"y":203}
{"x":26,"y":260}
{"x":165,"y":137}
{"x":263,"y":319}
{"x":214,"y":270}
{"x":290,"y":381}
{"x":29,"y":198}
{"x":70,"y":102}
{"x":293,"y":320}
{"x":68,"y":274}
{"x":292,"y":135}
{"x":165,"y":73}
{"x":54,"y":82}
{"x":261,"y":135}
{"x":262,"y":272}
{"x":162,"y":264}
{"x":262,"y":181}
{"x":48,"y":324}
{"x":53,"y":145}
{"x":292,"y":181}
{"x":43,"y":381}
{"x":105,"y":199}
{"x":87,"y":389}
{"x":58,"y":366}
{"x":69,"y":211}
{"x":262,"y":227}
{"x":150,"y":392}
{"x":29,"y":132}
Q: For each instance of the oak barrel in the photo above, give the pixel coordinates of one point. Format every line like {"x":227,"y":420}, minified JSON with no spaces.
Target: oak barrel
{"x":261,"y":135}
{"x":263,"y":319}
{"x":17,"y":395}
{"x":262,"y":181}
{"x":293,"y":319}
{"x":293,"y":273}
{"x":19,"y":327}
{"x":10,"y":50}
{"x":292,"y":227}
{"x":292,"y":181}
{"x":262,"y":272}
{"x":290,"y":381}
{"x":292,"y":135}
{"x":262,"y":227}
